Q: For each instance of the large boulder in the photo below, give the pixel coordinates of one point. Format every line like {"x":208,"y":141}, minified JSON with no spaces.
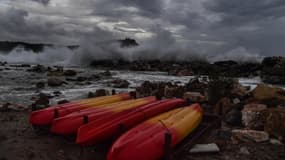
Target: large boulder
{"x":70,"y":72}
{"x":194,"y":97}
{"x":270,"y":95}
{"x":272,"y":61}
{"x":3,"y":63}
{"x":233,"y":117}
{"x":40,"y":85}
{"x":249,"y":136}
{"x":252,"y":116}
{"x":196,"y":85}
{"x":218,"y":88}
{"x":119,"y":83}
{"x":273,"y":70}
{"x":275,"y":122}
{"x":54,"y":82}
{"x":160,"y":90}
{"x":171,"y":91}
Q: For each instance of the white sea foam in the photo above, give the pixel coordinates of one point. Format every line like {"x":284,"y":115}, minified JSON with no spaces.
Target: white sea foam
{"x":49,"y":56}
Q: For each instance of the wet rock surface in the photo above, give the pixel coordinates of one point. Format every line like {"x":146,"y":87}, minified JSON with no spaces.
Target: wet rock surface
{"x":249,"y":136}
{"x":194,"y":97}
{"x":54,"y":82}
{"x":70,"y":73}
{"x":40,"y":85}
{"x":274,"y":119}
{"x":273,"y":70}
{"x":119,"y":83}
{"x":270,"y":95}
{"x":252,"y":116}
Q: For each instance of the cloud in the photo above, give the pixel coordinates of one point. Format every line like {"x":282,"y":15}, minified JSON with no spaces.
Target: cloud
{"x":253,"y":24}
{"x":205,"y":27}
{"x":44,"y":2}
{"x":240,"y":12}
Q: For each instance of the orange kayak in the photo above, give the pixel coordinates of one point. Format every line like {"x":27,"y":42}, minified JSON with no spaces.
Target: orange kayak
{"x":70,"y":123}
{"x":105,"y":128}
{"x":146,"y":141}
{"x":45,"y":116}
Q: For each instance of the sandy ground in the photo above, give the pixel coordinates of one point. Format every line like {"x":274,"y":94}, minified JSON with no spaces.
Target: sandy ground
{"x":19,"y":141}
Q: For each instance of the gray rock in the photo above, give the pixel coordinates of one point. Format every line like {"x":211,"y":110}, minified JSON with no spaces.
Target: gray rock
{"x":54,"y":82}
{"x":252,"y":116}
{"x":70,"y":73}
{"x":244,"y":150}
{"x":234,"y":117}
{"x":249,"y":136}
{"x":119,"y":83}
{"x":40,"y":85}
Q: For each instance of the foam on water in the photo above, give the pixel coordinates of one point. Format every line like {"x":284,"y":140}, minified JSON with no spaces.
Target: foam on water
{"x":49,"y":56}
{"x":18,"y":85}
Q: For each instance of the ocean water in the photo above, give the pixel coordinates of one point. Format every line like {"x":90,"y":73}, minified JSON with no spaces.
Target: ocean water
{"x":18,"y":86}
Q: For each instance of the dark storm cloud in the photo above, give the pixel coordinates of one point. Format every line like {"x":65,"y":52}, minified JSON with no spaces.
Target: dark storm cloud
{"x":15,"y":26}
{"x":45,"y":2}
{"x":118,"y":8}
{"x":204,"y":26}
{"x":253,"y":24}
{"x":239,"y":11}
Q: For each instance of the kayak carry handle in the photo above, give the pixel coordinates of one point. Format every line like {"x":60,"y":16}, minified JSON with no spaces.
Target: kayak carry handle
{"x":168,"y":131}
{"x":56,"y":113}
{"x":85,"y":119}
{"x":122,"y":127}
{"x":167,"y":142}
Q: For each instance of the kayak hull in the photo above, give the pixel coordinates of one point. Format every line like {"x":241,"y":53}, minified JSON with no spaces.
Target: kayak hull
{"x":146,"y":141}
{"x":69,"y":124}
{"x":46,"y":116}
{"x":95,"y":132}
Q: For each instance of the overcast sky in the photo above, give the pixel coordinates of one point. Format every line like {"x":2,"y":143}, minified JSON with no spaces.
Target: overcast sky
{"x":232,"y":26}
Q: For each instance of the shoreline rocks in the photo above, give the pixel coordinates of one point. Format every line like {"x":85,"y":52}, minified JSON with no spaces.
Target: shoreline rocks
{"x":252,"y":116}
{"x":274,"y":122}
{"x":249,"y":136}
{"x":55,"y":82}
{"x":270,"y":95}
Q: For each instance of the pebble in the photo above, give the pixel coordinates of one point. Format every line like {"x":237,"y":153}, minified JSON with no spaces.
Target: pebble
{"x":244,"y":150}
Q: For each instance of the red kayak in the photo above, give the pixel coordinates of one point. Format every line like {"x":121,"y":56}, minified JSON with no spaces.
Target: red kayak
{"x":45,"y":116}
{"x":147,"y":140}
{"x":69,"y":124}
{"x":105,"y":128}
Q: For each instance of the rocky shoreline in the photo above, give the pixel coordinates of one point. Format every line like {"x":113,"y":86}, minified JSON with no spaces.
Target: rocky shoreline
{"x":271,"y":69}
{"x":251,"y":116}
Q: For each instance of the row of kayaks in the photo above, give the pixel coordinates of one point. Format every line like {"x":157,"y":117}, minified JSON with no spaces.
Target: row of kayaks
{"x":140,"y":124}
